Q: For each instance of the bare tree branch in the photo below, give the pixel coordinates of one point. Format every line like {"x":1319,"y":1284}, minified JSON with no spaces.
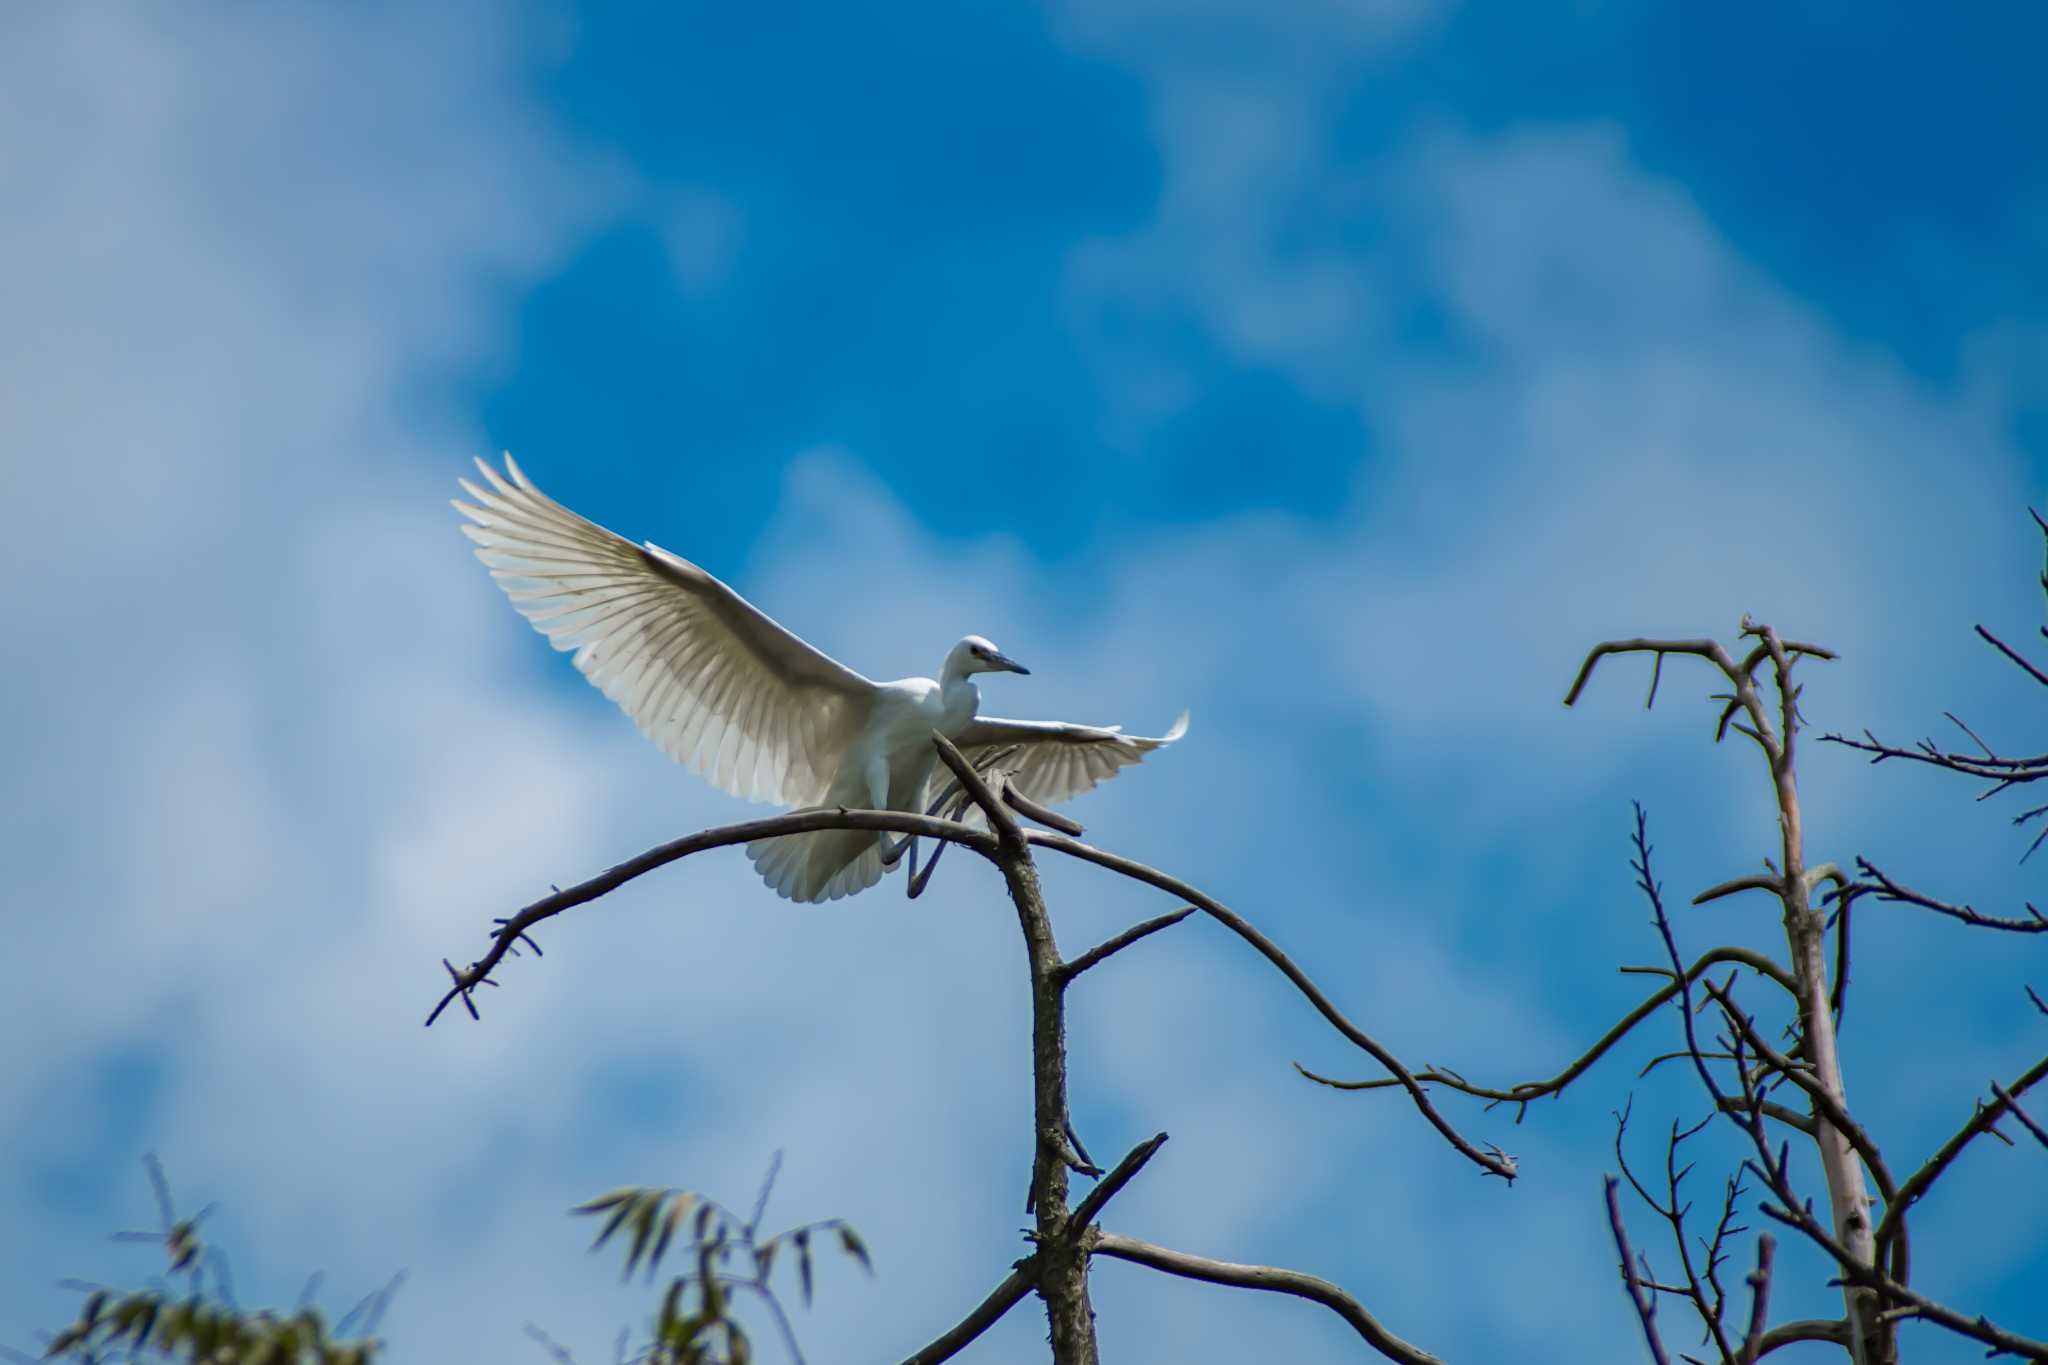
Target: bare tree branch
{"x":1759,"y":1300}
{"x":1031,"y":810}
{"x":1776,"y":738}
{"x":1134,"y":1161}
{"x":986,"y":1314}
{"x":514,"y":929}
{"x":1750,"y":883}
{"x":1806,"y":1329}
{"x":1268,"y":1278}
{"x":1069,"y":970}
{"x":1885,"y":889}
{"x":1526,"y":1091}
{"x":1494,"y":1162}
{"x":1917,"y":1184}
{"x":2026,"y":1120}
{"x":1640,"y":1298}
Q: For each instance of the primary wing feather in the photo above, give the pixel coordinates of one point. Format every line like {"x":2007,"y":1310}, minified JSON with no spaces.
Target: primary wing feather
{"x":1052,"y":761}
{"x":713,"y":681}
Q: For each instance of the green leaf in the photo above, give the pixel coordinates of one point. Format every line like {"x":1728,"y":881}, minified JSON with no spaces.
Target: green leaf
{"x":643,"y":1233}
{"x":605,"y":1201}
{"x":850,"y":1240}
{"x":619,"y":1215}
{"x":668,"y":1228}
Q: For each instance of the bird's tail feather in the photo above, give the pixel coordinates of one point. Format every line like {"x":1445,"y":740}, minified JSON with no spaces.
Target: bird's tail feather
{"x":820,"y":866}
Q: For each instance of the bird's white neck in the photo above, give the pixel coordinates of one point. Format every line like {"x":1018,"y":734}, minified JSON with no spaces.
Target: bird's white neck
{"x":960,"y":697}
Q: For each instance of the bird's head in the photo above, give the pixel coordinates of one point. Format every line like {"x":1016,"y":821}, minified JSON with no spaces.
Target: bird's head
{"x":977,"y":654}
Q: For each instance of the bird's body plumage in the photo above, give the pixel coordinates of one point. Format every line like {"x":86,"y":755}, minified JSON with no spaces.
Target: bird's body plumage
{"x":727,"y":692}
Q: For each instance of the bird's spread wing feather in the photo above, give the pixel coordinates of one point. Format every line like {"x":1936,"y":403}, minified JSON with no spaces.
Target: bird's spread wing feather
{"x":720,"y":687}
{"x":1049,"y":760}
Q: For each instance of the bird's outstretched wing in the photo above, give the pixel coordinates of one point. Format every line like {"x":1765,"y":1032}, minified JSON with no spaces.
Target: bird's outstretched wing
{"x":1051,"y":760}
{"x":720,"y":687}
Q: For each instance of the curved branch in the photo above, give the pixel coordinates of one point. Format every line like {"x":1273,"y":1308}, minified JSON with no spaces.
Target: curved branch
{"x":1535,"y":1090}
{"x":1835,"y":1330}
{"x":1494,"y":1162}
{"x":987,"y":1314}
{"x":612,"y":878}
{"x":1269,"y":1278}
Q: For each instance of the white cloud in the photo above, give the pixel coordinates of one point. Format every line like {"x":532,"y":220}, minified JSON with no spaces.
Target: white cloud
{"x":289,"y":749}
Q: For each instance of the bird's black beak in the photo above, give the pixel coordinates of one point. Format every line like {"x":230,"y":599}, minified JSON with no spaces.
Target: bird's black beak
{"x":1008,"y":664}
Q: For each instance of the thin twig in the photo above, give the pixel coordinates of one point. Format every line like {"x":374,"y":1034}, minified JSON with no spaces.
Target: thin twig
{"x":1069,"y":970}
{"x":1494,"y":1162}
{"x":1134,"y":1161}
{"x":1526,"y":1091}
{"x":510,"y":930}
{"x":1887,"y":889}
{"x":1917,"y":1184}
{"x":2026,"y":1120}
{"x":1644,"y":1302}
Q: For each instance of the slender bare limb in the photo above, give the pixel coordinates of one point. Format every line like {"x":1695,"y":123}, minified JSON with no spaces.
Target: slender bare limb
{"x":986,"y":1314}
{"x":1730,"y":887}
{"x":1268,"y":1278}
{"x":1031,"y":810}
{"x":1917,"y":1184}
{"x":1494,"y":1162}
{"x":1133,"y":1162}
{"x":1886,"y":889}
{"x":2009,"y":652}
{"x":2026,"y":1120}
{"x":1673,"y":1211}
{"x":516,"y":928}
{"x":1526,"y":1091}
{"x":1825,"y":1104}
{"x":1639,"y":1297}
{"x":1805,"y":1329}
{"x":1069,"y":970}
{"x":1021,"y":1280}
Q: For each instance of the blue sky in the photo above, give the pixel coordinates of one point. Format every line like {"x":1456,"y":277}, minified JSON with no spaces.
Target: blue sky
{"x":1338,"y":371}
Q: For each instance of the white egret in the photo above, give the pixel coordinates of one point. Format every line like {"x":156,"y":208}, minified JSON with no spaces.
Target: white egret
{"x":736,"y":698}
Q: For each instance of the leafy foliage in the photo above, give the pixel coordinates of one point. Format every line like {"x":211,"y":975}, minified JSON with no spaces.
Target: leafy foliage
{"x":727,"y":1256}
{"x":201,"y":1323}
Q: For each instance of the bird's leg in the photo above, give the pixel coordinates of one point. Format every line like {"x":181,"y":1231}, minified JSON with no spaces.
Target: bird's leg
{"x":892,"y":853}
{"x":878,"y":799}
{"x":960,"y":801}
{"x":919,"y":880}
